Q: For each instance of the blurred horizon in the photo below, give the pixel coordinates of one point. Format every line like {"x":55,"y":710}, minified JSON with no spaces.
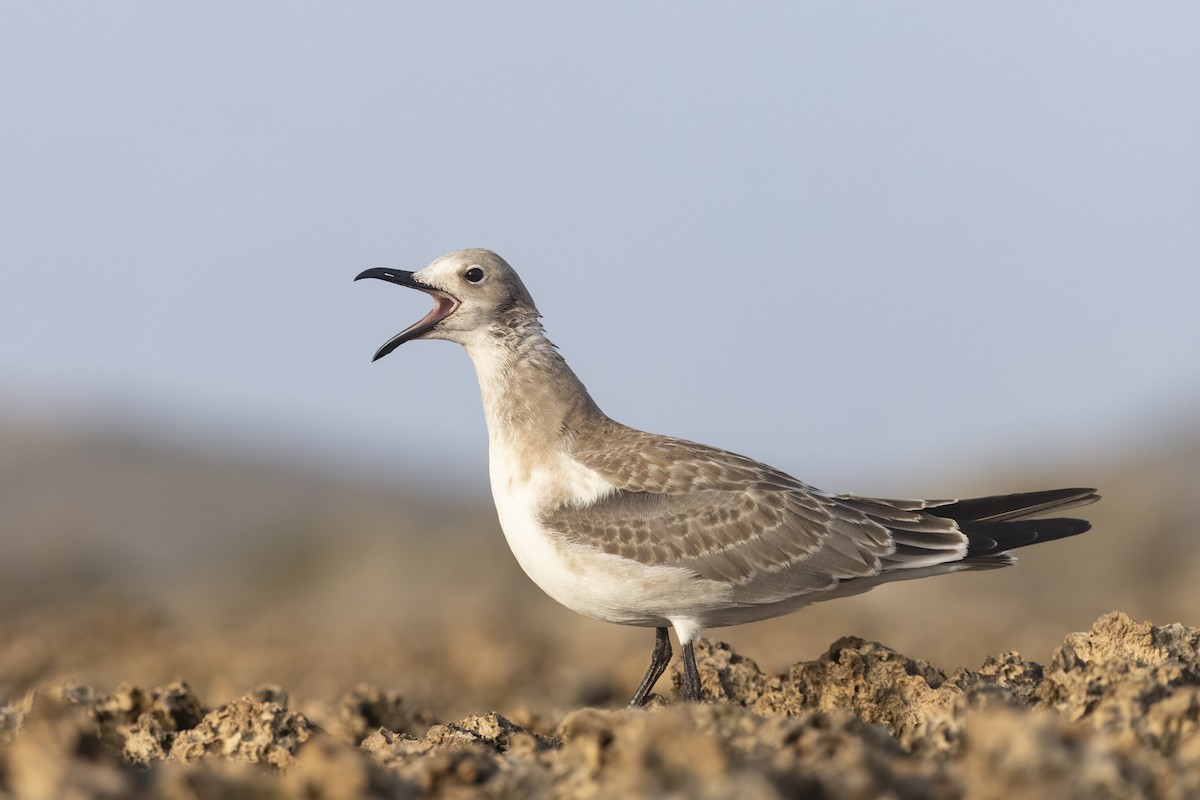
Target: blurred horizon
{"x":447,"y":475}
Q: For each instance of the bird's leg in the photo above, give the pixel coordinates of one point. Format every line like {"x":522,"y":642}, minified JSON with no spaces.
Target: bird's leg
{"x":690,"y":690}
{"x":658,"y":664}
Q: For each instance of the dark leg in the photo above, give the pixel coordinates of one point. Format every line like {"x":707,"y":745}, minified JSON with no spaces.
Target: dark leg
{"x":658,"y":665}
{"x":691,"y":676}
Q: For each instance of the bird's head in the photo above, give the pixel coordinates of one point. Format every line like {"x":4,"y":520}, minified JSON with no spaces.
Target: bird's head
{"x":473,"y":290}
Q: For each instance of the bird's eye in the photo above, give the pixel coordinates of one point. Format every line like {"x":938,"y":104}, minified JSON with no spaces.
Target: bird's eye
{"x":474,"y":275}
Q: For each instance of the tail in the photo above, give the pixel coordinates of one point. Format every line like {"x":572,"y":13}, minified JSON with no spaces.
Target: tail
{"x":928,"y":534}
{"x":997,"y":524}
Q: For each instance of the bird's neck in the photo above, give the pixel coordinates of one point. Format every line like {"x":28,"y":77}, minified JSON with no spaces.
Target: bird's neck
{"x":531,"y":398}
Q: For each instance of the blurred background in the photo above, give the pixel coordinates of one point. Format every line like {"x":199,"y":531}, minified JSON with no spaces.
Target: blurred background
{"x":920,"y":250}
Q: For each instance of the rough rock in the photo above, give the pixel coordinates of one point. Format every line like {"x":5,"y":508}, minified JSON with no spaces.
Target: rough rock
{"x":365,"y":709}
{"x":257,"y":728}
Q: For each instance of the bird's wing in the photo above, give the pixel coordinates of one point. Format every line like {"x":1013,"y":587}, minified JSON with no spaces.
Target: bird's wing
{"x":732,"y":519}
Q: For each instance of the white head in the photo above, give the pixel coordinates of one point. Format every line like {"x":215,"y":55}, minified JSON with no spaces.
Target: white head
{"x":475,"y":290}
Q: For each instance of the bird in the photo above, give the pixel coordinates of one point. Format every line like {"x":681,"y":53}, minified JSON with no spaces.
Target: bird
{"x":641,"y":529}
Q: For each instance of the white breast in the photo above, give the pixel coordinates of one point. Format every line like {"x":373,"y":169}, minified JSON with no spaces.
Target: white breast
{"x":586,"y":580}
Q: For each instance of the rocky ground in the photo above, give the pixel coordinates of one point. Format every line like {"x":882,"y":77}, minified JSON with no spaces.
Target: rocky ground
{"x":185,"y":624}
{"x":1114,"y":713}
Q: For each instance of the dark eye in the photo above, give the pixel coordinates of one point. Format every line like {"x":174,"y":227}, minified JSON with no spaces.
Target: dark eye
{"x":474,"y":275}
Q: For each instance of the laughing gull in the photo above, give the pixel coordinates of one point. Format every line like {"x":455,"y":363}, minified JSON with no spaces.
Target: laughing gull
{"x":640,"y":529}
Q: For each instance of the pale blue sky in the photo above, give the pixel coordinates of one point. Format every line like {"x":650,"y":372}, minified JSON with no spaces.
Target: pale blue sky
{"x":862,"y":241}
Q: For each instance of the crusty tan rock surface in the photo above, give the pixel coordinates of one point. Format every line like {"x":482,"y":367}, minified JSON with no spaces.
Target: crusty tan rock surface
{"x":1114,"y":713}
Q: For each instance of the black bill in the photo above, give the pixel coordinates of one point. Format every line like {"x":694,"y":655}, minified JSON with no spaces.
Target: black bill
{"x":444,"y":306}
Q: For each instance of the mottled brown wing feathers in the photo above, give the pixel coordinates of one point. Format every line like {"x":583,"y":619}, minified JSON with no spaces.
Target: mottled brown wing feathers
{"x":724,"y":516}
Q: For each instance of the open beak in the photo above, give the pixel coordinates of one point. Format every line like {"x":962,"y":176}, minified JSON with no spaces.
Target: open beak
{"x":444,"y":306}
